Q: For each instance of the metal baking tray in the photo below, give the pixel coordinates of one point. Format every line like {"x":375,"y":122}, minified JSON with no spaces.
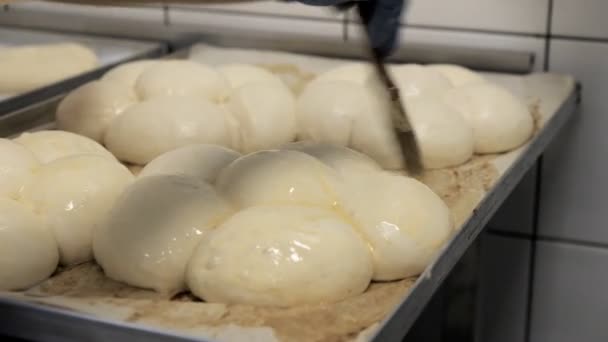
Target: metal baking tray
{"x":558,"y":98}
{"x":109,"y":51}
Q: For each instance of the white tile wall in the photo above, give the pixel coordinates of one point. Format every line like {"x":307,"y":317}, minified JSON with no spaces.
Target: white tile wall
{"x":575,"y":190}
{"x":569,"y":298}
{"x":521,"y":16}
{"x":585,"y":18}
{"x":503,"y":289}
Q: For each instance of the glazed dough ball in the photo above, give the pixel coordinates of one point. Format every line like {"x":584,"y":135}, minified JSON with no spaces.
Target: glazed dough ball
{"x":17,"y":165}
{"x":456,"y":74}
{"x":444,"y":137}
{"x":74,"y":194}
{"x":416,"y":80}
{"x":347,"y":114}
{"x":239,"y":75}
{"x":29,"y":67}
{"x":153,"y":228}
{"x":280,"y":256}
{"x":89,"y":109}
{"x":265,"y":113}
{"x":403,"y":221}
{"x":351,"y":72}
{"x":500,"y":121}
{"x":203,"y":162}
{"x":279,"y":177}
{"x":51,"y":145}
{"x":153,"y":127}
{"x":326,"y":111}
{"x":340,"y":158}
{"x":28,"y":251}
{"x":181,"y":78}
{"x":128,"y":73}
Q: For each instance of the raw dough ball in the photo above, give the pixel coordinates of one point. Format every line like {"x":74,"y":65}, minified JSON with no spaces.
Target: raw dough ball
{"x":500,"y":121}
{"x":327,"y":111}
{"x":17,"y":164}
{"x":239,"y":75}
{"x":416,"y":80}
{"x":456,"y":74}
{"x":28,"y":251}
{"x":153,"y":228}
{"x":89,"y":109}
{"x":347,"y":114}
{"x":403,"y":221}
{"x":340,"y":158}
{"x":280,"y":256}
{"x":265,"y":113}
{"x":74,"y":195}
{"x":352,"y":72}
{"x":150,"y":128}
{"x":444,"y":137}
{"x":203,"y":162}
{"x":50,"y":145}
{"x":181,"y":78}
{"x":29,"y":67}
{"x":128,"y":73}
{"x":279,"y":177}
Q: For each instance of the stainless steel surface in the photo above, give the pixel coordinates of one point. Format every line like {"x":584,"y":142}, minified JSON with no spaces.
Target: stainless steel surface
{"x":109,"y":51}
{"x":506,"y":61}
{"x":57,"y":324}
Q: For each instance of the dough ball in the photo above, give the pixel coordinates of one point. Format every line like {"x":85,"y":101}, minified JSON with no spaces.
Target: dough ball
{"x":153,"y":228}
{"x":327,"y":111}
{"x":347,"y":114}
{"x":340,"y":158}
{"x":351,"y":72}
{"x":457,"y":75}
{"x":239,"y":75}
{"x":89,"y":109}
{"x":17,"y":165}
{"x":203,"y":162}
{"x":280,"y":256}
{"x":279,"y":177}
{"x":51,"y":145}
{"x":128,"y":73}
{"x":29,"y":67}
{"x":403,"y":221}
{"x":150,"y":128}
{"x":265,"y":113}
{"x":74,"y":195}
{"x":28,"y":251}
{"x":444,"y":137}
{"x":181,"y":78}
{"x":416,"y":80}
{"x":500,"y":121}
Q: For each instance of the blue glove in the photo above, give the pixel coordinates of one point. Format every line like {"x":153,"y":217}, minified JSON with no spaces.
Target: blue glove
{"x":381,"y":16}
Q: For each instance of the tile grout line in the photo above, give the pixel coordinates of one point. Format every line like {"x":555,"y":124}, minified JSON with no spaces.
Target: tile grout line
{"x":537,"y":197}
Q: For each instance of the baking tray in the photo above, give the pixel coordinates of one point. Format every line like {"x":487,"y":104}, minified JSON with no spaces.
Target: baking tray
{"x":109,"y":51}
{"x":555,"y":98}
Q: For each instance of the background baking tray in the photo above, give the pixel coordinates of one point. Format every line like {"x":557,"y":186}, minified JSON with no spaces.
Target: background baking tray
{"x":555,"y":97}
{"x":109,"y":51}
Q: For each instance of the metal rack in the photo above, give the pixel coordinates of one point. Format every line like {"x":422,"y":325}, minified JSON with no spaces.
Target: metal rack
{"x":59,"y":324}
{"x":110,"y":52}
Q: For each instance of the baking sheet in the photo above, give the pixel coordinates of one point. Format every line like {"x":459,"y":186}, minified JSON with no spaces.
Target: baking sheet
{"x":109,"y":51}
{"x":384,"y":309}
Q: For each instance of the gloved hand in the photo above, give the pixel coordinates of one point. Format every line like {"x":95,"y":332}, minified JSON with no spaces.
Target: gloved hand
{"x":382,"y":18}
